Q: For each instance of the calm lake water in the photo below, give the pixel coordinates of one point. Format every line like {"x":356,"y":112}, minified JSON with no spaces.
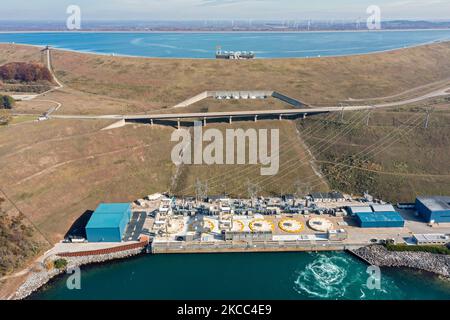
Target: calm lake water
{"x":245,"y":276}
{"x":202,"y":45}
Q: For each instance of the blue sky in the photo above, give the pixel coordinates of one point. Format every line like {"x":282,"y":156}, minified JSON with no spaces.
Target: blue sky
{"x":225,"y":9}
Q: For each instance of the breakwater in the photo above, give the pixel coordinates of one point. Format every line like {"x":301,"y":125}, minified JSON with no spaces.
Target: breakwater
{"x":39,"y":278}
{"x":378,"y":255}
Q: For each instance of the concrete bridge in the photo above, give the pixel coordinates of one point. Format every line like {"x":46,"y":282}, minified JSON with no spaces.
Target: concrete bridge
{"x":301,"y":110}
{"x":228,"y":116}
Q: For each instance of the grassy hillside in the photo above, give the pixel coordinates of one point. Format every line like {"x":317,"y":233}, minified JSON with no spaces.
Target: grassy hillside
{"x":107,"y":84}
{"x":295,"y":166}
{"x":56,"y":170}
{"x":394,"y":157}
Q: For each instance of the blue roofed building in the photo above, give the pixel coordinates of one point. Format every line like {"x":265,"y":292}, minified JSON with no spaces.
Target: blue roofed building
{"x":108,"y":222}
{"x":434,"y":208}
{"x":377,"y":216}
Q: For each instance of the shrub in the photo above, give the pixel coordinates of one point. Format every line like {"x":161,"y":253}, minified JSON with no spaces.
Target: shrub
{"x":6,"y":102}
{"x":5,"y":117}
{"x":60,"y":264}
{"x":437,"y":249}
{"x":17,"y":242}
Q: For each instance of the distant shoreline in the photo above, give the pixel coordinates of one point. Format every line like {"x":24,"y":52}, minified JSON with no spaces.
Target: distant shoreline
{"x":218,"y":31}
{"x":213,"y":58}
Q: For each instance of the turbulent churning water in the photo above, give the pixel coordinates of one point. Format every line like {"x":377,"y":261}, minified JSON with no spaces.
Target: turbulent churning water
{"x":245,"y":276}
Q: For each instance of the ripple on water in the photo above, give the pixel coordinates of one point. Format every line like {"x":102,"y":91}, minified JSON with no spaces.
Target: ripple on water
{"x":324,"y":278}
{"x":339,"y":277}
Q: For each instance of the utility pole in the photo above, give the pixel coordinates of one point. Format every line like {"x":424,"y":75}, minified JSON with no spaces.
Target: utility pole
{"x":342,"y":113}
{"x":368,"y":117}
{"x":201,"y":190}
{"x":252,"y":189}
{"x":427,"y":119}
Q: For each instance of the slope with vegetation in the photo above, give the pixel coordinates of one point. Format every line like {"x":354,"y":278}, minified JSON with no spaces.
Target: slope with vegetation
{"x":17,"y":242}
{"x":55,"y":170}
{"x":392,"y":154}
{"x":133,"y":85}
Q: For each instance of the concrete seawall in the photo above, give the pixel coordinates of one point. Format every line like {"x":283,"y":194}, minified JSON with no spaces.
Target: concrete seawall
{"x":180,"y":248}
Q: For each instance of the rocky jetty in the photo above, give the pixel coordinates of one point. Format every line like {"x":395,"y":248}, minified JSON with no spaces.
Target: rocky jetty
{"x":378,"y":255}
{"x":39,"y":276}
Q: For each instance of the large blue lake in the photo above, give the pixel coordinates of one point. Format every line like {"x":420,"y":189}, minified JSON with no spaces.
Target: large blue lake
{"x":203,"y":45}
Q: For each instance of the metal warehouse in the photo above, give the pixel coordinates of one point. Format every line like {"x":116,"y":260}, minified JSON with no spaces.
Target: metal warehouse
{"x":377,"y":216}
{"x":434,"y":209}
{"x":355,"y":210}
{"x":108,"y":222}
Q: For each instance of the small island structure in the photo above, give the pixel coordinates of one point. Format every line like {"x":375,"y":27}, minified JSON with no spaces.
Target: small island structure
{"x":234,"y":55}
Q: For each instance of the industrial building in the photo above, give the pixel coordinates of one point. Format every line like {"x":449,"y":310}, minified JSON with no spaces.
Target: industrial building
{"x":327,"y":197}
{"x":431,"y":239}
{"x":434,"y":209}
{"x":377,"y":216}
{"x":108,"y":222}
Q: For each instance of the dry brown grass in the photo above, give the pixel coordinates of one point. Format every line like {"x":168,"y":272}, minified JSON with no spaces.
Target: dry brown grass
{"x":233,"y":179}
{"x":145,"y":84}
{"x":412,"y":160}
{"x":55,"y":170}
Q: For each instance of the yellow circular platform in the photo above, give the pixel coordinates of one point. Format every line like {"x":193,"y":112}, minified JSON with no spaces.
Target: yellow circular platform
{"x":291,"y":225}
{"x":320,"y":224}
{"x":209,"y":224}
{"x":259,"y":225}
{"x":238,"y":225}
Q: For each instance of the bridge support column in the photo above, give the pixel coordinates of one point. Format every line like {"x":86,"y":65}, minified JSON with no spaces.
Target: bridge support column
{"x":281,"y":117}
{"x":231,"y":120}
{"x":178,"y":123}
{"x":256,"y":118}
{"x":151,"y":121}
{"x":204,"y":122}
{"x":304,"y":116}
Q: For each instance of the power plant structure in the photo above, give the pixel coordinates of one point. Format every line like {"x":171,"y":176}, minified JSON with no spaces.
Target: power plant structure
{"x":234,"y":55}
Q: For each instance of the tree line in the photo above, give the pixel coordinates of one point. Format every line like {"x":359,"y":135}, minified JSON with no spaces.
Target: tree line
{"x":25,"y":72}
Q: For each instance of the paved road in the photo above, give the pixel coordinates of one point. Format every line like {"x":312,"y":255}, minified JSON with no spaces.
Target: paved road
{"x":262,"y":113}
{"x":217,"y":115}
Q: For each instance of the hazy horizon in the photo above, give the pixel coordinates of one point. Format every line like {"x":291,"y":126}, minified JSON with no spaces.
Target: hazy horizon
{"x":198,"y":10}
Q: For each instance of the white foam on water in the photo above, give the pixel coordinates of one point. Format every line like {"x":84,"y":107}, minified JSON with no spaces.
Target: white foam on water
{"x":326,"y":277}
{"x":337,"y":277}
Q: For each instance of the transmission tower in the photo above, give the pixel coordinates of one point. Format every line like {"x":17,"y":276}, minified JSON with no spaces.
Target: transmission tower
{"x":201,"y":190}
{"x":427,"y":119}
{"x":342,"y":113}
{"x":368,"y":117}
{"x":253,"y":189}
